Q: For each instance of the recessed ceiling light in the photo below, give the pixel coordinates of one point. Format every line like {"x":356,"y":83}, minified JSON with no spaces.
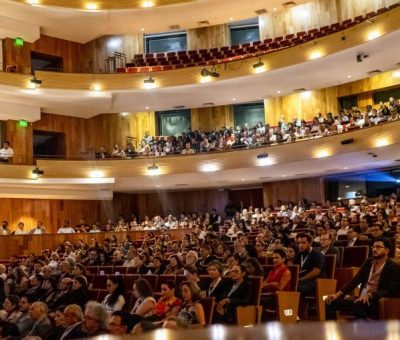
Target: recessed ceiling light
{"x":33,"y":2}
{"x":306,"y":94}
{"x":234,"y":99}
{"x":349,"y":76}
{"x":231,"y":18}
{"x":347,"y":186}
{"x":142,"y":29}
{"x":346,"y":167}
{"x":91,"y":6}
{"x":275,"y":9}
{"x":396,"y":74}
{"x":147,"y":4}
{"x":315,"y":55}
{"x":322,"y":153}
{"x":242,"y":179}
{"x":95,"y":87}
{"x":147,"y":108}
{"x":279,"y":92}
{"x":96,"y":174}
{"x":209,"y":167}
{"x":373,"y":35}
{"x":283,"y":175}
{"x":124,"y":114}
{"x":381,"y":142}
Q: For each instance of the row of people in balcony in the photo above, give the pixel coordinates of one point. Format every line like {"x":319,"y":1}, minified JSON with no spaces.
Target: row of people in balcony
{"x":246,"y":136}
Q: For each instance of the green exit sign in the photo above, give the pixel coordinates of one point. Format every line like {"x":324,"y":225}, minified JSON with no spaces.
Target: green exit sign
{"x":23,"y":123}
{"x":19,"y":42}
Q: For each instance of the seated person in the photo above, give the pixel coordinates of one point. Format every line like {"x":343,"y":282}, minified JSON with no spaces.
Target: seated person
{"x":145,"y":303}
{"x":379,"y":277}
{"x":238,"y":292}
{"x":6,"y":153}
{"x":215,"y":287}
{"x":102,"y":153}
{"x":192,"y":311}
{"x":168,"y":304}
{"x":115,"y":299}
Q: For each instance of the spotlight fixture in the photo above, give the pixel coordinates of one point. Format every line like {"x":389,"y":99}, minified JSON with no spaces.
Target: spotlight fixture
{"x":149,"y":83}
{"x":262,"y":155}
{"x":153,"y":170}
{"x":37,"y":172}
{"x":207,"y":73}
{"x":35,"y":82}
{"x":347,"y":141}
{"x":259,"y":66}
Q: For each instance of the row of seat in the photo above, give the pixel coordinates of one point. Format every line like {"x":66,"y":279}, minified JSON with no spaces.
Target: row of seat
{"x":153,"y":62}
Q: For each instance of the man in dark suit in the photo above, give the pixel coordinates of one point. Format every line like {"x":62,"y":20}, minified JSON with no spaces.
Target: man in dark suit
{"x":73,"y":317}
{"x":36,"y":292}
{"x":42,"y":324}
{"x":379,"y":277}
{"x":238,"y":292}
{"x":206,"y":258}
{"x":354,"y":237}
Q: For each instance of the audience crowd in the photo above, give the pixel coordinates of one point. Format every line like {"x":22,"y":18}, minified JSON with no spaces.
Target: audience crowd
{"x":259,"y":135}
{"x":48,"y":294}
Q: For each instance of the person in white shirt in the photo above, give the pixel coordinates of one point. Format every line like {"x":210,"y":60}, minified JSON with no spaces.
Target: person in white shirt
{"x":39,"y":229}
{"x":66,"y":229}
{"x":20,"y":230}
{"x":6,"y":153}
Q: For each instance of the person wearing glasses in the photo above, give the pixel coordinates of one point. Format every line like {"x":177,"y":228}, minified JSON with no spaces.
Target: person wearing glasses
{"x":379,"y":277}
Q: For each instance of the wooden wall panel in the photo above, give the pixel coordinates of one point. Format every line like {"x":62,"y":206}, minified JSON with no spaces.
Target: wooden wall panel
{"x":21,"y":55}
{"x":301,"y":105}
{"x":311,"y":189}
{"x":208,"y":37}
{"x":316,"y":13}
{"x":51,"y":212}
{"x":210,"y":118}
{"x":165,"y":203}
{"x":95,"y":52}
{"x":108,"y":129}
{"x":21,"y":140}
{"x":246,"y":197}
{"x":73,"y":127}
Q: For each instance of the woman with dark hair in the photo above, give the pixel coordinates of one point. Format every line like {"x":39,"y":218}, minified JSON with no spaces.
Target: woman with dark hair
{"x":291,"y":252}
{"x":192,"y":311}
{"x":278,"y":279}
{"x":145,"y":303}
{"x":50,"y":285}
{"x":168,"y":304}
{"x":80,"y":293}
{"x":238,"y":292}
{"x":11,"y":306}
{"x":175,"y":266}
{"x":115,"y":299}
{"x":254,"y":267}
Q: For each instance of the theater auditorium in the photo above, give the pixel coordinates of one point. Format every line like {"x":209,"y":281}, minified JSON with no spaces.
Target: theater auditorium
{"x":199,"y":168}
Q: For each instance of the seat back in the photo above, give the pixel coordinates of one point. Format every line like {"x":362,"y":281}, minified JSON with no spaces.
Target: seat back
{"x":256,"y":289}
{"x":344,"y":275}
{"x":330,"y":263}
{"x":164,"y":278}
{"x":354,"y":256}
{"x":208,"y":306}
{"x":287,"y":306}
{"x":325,"y":287}
{"x":248,"y":315}
{"x":294,"y":271}
{"x":389,"y":308}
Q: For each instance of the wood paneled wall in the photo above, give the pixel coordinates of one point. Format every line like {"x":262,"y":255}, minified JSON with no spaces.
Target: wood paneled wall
{"x":301,"y":105}
{"x":210,"y":118}
{"x":108,"y":129}
{"x":208,"y":37}
{"x":246,"y":197}
{"x":165,"y":203}
{"x":311,"y":189}
{"x":73,"y":127}
{"x":21,"y":55}
{"x":95,"y":52}
{"x":21,"y":139}
{"x":314,"y":14}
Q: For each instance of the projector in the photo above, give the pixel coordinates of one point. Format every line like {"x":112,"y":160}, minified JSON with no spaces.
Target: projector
{"x":262,"y":155}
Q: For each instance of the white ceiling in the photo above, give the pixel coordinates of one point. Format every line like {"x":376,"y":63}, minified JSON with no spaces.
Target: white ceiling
{"x":83,"y":26}
{"x":321,"y":73}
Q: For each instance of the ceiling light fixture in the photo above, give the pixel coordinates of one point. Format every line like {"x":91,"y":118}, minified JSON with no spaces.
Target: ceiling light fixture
{"x":36,"y":173}
{"x":396,"y":74}
{"x":373,"y":35}
{"x":91,"y":6}
{"x":148,"y":4}
{"x":315,"y":55}
{"x":153,"y":170}
{"x":209,"y":167}
{"x":209,"y":73}
{"x":124,"y":114}
{"x":33,"y":2}
{"x":96,"y":174}
{"x":149,"y":83}
{"x":259,"y":67}
{"x":95,"y":87}
{"x":35,"y":83}
{"x":322,"y":153}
